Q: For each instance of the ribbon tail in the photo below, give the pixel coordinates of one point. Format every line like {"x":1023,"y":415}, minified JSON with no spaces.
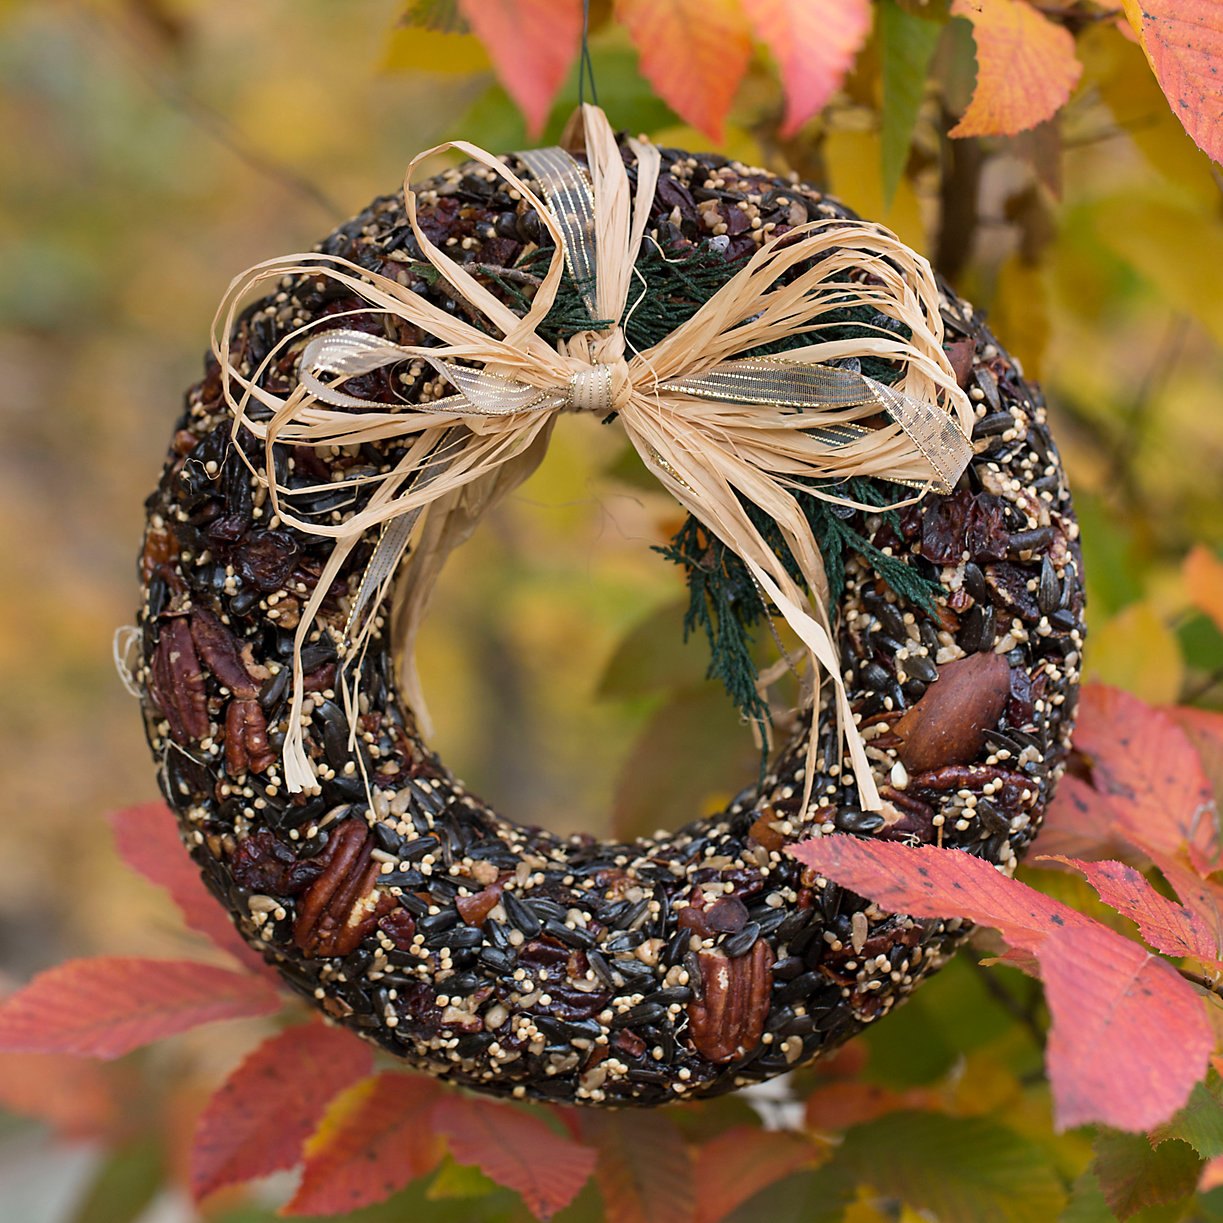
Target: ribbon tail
{"x":815,"y":637}
{"x":934,"y":432}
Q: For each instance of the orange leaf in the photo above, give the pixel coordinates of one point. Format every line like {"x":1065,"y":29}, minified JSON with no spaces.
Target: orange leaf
{"x":516,"y":1150}
{"x":1149,"y":1033}
{"x":694,"y":52}
{"x":259,"y":1117}
{"x":1169,"y":927}
{"x":1026,"y":67}
{"x":374,"y":1139}
{"x":644,"y":1170}
{"x":77,"y":1097}
{"x":815,"y":43}
{"x":1140,"y":759}
{"x":1130,"y":1037}
{"x":532,"y":44}
{"x":147,"y":839}
{"x":1183,"y":40}
{"x":1204,"y":583}
{"x":108,"y":1006}
{"x":742,"y":1161}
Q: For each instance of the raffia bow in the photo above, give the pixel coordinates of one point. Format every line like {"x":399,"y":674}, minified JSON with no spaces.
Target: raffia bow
{"x":718,"y":429}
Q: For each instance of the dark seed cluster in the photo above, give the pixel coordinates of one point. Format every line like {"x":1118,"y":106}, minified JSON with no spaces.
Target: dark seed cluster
{"x":514,"y":960}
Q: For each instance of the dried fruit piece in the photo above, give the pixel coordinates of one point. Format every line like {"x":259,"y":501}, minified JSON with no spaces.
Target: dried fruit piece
{"x":948,"y":725}
{"x":727,"y":1020}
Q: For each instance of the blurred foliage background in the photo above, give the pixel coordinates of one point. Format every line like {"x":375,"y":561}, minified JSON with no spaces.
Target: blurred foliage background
{"x":154,"y":148}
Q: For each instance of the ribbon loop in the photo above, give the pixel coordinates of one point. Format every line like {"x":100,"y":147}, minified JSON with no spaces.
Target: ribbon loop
{"x":722,"y":428}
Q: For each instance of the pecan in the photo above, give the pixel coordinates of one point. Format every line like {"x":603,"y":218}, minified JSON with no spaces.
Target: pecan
{"x":948,"y":724}
{"x":727,"y":1020}
{"x":342,"y":905}
{"x":246,"y":738}
{"x":176,"y":683}
{"x":219,"y":650}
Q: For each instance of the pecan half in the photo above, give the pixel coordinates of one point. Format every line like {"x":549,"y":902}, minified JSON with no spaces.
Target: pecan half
{"x":216,"y":645}
{"x":176,"y":683}
{"x":342,"y":905}
{"x":727,"y":1020}
{"x":246,"y":738}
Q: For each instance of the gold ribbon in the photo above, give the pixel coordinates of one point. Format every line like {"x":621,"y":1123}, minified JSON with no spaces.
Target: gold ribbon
{"x":717,"y":429}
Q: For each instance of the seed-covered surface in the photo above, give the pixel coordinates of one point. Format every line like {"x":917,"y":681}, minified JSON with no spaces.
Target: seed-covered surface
{"x":506,"y":957}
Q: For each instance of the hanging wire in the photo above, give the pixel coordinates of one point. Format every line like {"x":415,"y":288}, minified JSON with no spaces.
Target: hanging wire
{"x":586,"y":68}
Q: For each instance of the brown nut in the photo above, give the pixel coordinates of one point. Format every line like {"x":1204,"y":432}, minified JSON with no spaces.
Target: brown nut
{"x":342,"y":905}
{"x":176,"y":683}
{"x":948,"y":724}
{"x":727,"y":1020}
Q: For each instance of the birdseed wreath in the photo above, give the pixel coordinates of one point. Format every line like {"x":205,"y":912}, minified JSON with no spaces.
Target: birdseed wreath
{"x":858,"y":457}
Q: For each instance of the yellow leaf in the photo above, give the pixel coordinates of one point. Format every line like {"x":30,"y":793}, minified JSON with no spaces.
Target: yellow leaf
{"x":815,"y":43}
{"x":1144,"y":229}
{"x":1204,"y":583}
{"x":694,"y":52}
{"x":1114,"y":65}
{"x":411,"y":49}
{"x":1026,"y":67}
{"x":854,"y":162}
{"x":1137,"y":651}
{"x":1021,"y":312}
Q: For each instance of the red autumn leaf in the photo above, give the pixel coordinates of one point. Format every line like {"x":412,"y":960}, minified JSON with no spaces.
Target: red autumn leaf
{"x":815,"y":43}
{"x":106,"y":1007}
{"x":1162,"y":799}
{"x":1081,"y":823}
{"x":147,"y":839}
{"x":694,"y":52}
{"x":1093,"y":976}
{"x":1130,"y":1037}
{"x":742,"y":1161}
{"x":532,"y":44}
{"x":1169,"y":927}
{"x":258,"y":1119}
{"x":644,"y":1170}
{"x":928,"y":882}
{"x":77,"y":1097}
{"x":516,"y":1150}
{"x":1183,"y":40}
{"x":1026,"y":67}
{"x":375,"y":1138}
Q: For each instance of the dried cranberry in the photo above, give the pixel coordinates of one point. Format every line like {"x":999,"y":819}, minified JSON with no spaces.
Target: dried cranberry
{"x":267,"y":558}
{"x":264,"y":864}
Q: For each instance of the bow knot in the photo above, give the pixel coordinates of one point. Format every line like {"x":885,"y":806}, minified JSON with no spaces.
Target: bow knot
{"x":725,"y":432}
